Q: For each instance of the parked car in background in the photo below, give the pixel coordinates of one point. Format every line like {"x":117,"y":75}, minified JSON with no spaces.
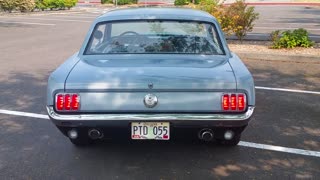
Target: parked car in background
{"x":149,"y":71}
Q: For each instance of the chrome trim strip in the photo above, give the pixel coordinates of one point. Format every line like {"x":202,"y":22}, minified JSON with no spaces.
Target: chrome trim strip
{"x":151,"y":117}
{"x":150,"y":90}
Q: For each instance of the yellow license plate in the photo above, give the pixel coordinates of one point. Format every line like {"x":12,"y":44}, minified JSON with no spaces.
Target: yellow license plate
{"x":150,"y":130}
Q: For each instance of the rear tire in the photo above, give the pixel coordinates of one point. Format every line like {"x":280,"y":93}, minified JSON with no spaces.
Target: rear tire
{"x":233,"y":142}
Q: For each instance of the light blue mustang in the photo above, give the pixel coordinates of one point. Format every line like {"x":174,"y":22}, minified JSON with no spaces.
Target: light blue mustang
{"x":151,"y":70}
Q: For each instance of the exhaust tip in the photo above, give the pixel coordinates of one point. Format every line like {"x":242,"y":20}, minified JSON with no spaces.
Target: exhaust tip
{"x":95,"y":134}
{"x":72,"y":134}
{"x":206,"y":134}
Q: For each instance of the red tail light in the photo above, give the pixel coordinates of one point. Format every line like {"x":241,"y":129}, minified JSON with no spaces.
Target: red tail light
{"x":67,"y":102}
{"x":241,"y":102}
{"x":225,"y":102}
{"x":75,"y":102}
{"x":234,"y":102}
{"x":59,"y":102}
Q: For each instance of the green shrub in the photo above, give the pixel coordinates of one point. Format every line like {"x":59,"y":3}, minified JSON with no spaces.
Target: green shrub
{"x":30,"y":5}
{"x":291,"y":39}
{"x":119,"y":2}
{"x":123,"y":2}
{"x":275,"y":35}
{"x":180,"y":2}
{"x":242,"y":17}
{"x":39,"y":4}
{"x":26,"y":5}
{"x":107,"y":1}
{"x":70,"y":3}
{"x":235,"y":19}
{"x":211,"y":6}
{"x":194,"y":1}
{"x":216,"y":9}
{"x":9,"y":5}
{"x":56,"y":4}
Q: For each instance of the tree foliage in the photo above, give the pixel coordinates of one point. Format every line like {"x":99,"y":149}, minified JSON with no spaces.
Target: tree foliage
{"x":236,"y":18}
{"x":9,"y":5}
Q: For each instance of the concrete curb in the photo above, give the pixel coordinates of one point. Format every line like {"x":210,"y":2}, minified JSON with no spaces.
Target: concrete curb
{"x":279,"y":57}
{"x":266,"y":37}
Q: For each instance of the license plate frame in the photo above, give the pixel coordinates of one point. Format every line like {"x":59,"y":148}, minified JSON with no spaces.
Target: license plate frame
{"x":150,"y":130}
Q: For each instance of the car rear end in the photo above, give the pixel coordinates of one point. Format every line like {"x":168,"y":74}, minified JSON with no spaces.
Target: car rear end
{"x":150,"y":78}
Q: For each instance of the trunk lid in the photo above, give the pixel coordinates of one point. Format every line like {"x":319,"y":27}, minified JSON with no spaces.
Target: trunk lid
{"x":182,"y":83}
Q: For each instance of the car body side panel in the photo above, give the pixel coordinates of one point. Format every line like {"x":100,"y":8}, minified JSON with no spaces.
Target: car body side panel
{"x":243,"y":77}
{"x":57,"y":78}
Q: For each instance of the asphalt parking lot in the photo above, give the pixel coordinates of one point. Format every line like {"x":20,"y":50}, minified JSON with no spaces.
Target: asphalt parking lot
{"x":284,"y":134}
{"x":281,"y":17}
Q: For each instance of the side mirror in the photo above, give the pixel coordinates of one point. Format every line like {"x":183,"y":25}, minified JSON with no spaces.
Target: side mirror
{"x":98,"y":34}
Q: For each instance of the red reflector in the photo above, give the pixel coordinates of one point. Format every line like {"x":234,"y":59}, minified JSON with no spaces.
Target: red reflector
{"x":225,"y":102}
{"x":233,"y":102}
{"x":75,"y":102}
{"x":241,"y":102}
{"x":59,"y":102}
{"x":67,"y":102}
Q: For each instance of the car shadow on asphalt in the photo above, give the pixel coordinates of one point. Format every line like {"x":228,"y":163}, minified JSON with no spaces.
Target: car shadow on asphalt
{"x":291,"y":75}
{"x":23,"y":92}
{"x":285,"y":118}
{"x":183,"y":159}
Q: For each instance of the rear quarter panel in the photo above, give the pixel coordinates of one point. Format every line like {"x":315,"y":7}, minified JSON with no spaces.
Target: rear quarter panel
{"x":243,"y":77}
{"x":57,"y":78}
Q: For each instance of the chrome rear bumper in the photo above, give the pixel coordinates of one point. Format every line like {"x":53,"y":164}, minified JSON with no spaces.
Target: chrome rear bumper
{"x":150,"y":117}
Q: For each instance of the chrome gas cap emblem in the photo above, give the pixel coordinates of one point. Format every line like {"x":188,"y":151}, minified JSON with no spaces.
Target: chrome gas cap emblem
{"x":150,"y":100}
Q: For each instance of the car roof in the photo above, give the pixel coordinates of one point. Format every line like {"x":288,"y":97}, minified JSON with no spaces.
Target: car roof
{"x":156,"y":13}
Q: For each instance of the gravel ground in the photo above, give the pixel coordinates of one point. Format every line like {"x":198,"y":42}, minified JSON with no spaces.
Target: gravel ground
{"x":264,"y":47}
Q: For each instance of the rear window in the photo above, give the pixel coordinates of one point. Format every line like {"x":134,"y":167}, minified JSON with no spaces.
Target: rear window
{"x":152,"y":37}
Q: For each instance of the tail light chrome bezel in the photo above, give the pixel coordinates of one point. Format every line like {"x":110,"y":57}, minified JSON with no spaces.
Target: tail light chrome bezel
{"x":64,"y":105}
{"x":229,"y":109}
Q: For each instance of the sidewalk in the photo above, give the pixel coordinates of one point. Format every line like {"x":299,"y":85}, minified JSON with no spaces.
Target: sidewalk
{"x":259,"y":50}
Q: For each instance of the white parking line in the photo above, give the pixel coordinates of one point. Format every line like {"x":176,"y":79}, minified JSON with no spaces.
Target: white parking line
{"x":287,"y":90}
{"x":280,"y":149}
{"x":26,"y":114}
{"x":242,"y":143}
{"x":29,"y":23}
